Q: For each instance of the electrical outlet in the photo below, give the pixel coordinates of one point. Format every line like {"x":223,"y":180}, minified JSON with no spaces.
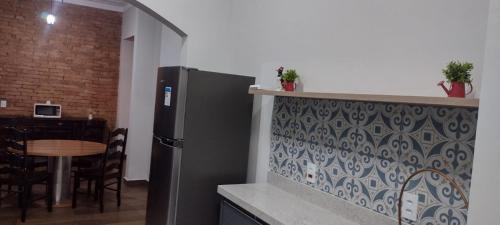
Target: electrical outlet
{"x":312,"y":170}
{"x":410,"y":206}
{"x":3,"y":103}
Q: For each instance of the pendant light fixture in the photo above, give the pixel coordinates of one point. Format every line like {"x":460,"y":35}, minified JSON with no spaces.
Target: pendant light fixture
{"x":51,"y":18}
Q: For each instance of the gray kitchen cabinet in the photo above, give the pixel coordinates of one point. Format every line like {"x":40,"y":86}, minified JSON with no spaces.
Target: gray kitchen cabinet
{"x":231,"y":215}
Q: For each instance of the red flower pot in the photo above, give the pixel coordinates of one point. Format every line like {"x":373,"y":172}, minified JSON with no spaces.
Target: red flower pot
{"x":288,"y":86}
{"x":457,"y":89}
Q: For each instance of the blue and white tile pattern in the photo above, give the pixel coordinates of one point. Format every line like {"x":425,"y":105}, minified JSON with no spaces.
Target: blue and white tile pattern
{"x":365,"y":151}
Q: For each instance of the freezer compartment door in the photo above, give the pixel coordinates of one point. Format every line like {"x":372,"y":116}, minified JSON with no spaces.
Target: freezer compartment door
{"x":170,"y":102}
{"x":163,"y":183}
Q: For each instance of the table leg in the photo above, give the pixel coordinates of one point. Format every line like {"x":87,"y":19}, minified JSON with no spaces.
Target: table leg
{"x":62,"y":180}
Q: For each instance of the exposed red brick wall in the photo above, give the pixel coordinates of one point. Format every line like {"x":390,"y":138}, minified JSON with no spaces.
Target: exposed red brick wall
{"x":74,"y":63}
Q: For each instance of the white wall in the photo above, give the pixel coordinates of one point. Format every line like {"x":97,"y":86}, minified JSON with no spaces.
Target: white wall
{"x":484,"y":208}
{"x":125,"y":82}
{"x":173,"y":50}
{"x":129,"y":26}
{"x":207,"y":23}
{"x":146,"y":45}
{"x":129,"y":23}
{"x":384,"y":47}
{"x":389,"y":46}
{"x":357,"y":46}
{"x":142,"y":96}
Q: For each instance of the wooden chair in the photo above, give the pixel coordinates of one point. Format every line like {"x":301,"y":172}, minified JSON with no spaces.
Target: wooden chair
{"x":22,"y":173}
{"x":4,"y":168}
{"x":86,"y":162}
{"x":38,"y":161}
{"x":109,"y":172}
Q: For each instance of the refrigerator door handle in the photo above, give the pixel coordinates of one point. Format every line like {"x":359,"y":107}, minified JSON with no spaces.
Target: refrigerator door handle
{"x":170,"y":142}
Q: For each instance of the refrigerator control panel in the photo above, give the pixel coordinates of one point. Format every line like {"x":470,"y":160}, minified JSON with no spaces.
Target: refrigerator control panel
{"x":168,"y":96}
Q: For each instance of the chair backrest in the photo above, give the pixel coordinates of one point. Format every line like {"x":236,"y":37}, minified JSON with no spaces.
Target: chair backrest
{"x":3,"y":156}
{"x":15,"y":152}
{"x":3,"y":147}
{"x":115,"y":152}
{"x":89,"y":132}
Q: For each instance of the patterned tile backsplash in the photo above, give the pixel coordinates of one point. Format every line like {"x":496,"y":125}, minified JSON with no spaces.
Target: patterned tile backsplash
{"x":364,"y":151}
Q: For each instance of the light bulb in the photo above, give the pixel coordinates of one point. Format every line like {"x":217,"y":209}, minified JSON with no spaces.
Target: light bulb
{"x":51,"y":19}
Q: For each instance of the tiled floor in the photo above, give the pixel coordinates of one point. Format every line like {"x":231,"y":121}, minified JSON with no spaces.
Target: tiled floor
{"x":132,"y":211}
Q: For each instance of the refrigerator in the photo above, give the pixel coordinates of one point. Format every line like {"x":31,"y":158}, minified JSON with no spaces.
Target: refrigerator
{"x":201,"y":140}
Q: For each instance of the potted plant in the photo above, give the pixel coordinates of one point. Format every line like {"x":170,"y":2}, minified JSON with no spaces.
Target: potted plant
{"x":288,"y":80}
{"x":458,"y":74}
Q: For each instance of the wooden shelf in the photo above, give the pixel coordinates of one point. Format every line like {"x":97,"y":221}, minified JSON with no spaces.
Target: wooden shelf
{"x":414,"y":100}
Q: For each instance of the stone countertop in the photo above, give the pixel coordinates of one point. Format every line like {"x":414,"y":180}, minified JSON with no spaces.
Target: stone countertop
{"x":276,"y":206}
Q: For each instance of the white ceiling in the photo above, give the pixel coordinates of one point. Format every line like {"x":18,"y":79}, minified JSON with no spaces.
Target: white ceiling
{"x":112,"y":5}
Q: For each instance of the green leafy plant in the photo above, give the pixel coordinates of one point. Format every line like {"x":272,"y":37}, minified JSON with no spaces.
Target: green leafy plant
{"x":457,"y":71}
{"x":290,"y":76}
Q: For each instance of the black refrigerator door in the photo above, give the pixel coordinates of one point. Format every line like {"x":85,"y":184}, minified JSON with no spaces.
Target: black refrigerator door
{"x":163,"y":183}
{"x":170,"y":102}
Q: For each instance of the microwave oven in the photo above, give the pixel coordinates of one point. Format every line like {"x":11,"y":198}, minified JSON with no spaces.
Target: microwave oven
{"x":47,"y":110}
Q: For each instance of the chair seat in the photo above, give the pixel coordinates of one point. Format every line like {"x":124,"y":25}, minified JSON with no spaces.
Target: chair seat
{"x":96,"y":172}
{"x":40,"y":162}
{"x":82,"y":162}
{"x":4,"y":170}
{"x":36,"y":177}
{"x":92,"y":171}
{"x":85,"y":161}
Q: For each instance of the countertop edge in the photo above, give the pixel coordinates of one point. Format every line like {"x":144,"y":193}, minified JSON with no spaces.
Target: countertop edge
{"x":329,"y":202}
{"x":276,"y":206}
{"x":280,"y":201}
{"x":248,"y":207}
